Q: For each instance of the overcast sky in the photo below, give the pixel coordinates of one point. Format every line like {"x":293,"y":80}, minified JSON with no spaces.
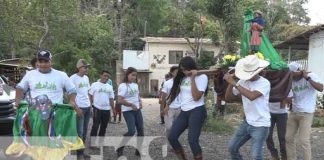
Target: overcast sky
{"x":315,"y":11}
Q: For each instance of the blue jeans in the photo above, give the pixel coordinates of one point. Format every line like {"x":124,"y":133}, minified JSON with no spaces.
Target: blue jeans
{"x":82,"y":126}
{"x":193,"y":120}
{"x":134,"y":120}
{"x":258,"y":135}
{"x":82,"y":123}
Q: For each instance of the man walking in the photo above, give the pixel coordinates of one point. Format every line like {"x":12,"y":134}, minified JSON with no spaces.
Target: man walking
{"x":48,"y":81}
{"x":102,"y":98}
{"x":255,"y":91}
{"x":279,"y":116}
{"x":81,"y":82}
{"x":45,"y":86}
{"x":304,"y":87}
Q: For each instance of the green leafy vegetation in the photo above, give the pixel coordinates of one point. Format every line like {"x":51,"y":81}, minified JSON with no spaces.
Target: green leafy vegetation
{"x":98,"y":30}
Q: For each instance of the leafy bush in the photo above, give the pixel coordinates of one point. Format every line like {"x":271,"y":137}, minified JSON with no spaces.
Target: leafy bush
{"x":320,"y":101}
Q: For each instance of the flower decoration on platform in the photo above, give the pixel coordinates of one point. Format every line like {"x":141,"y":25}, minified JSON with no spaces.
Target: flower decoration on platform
{"x":260,"y":55}
{"x":230,"y":60}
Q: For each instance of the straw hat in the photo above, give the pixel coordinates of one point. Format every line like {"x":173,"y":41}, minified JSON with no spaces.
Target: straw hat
{"x":249,"y":66}
{"x":258,"y":12}
{"x":82,"y":63}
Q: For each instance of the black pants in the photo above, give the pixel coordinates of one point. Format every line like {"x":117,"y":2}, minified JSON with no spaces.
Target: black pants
{"x":100,"y":118}
{"x":281,"y":121}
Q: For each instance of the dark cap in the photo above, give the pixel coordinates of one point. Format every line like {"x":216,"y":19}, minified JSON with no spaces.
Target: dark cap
{"x":44,"y":54}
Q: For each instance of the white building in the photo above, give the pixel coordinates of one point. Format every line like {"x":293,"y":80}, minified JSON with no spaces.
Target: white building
{"x":313,"y":42}
{"x":158,"y":55}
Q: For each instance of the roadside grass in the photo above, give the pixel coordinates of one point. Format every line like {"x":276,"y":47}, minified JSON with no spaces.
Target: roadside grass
{"x":221,"y":125}
{"x":318,"y":122}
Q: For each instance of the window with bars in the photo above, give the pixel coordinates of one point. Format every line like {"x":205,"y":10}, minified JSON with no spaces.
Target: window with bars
{"x":175,"y":56}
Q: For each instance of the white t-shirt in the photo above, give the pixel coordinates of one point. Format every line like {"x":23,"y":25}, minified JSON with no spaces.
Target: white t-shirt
{"x":130,"y":92}
{"x":166,"y":88}
{"x":275,"y":106}
{"x":102,"y":94}
{"x":185,"y":95}
{"x":257,"y":112}
{"x":82,"y":86}
{"x":304,"y":94}
{"x":50,"y":84}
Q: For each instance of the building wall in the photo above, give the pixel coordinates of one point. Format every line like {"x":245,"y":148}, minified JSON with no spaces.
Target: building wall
{"x":162,"y":50}
{"x":142,"y":79}
{"x":136,"y":59}
{"x":316,"y":54}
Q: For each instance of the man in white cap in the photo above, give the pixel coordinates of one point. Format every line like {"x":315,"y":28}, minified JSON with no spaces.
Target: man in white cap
{"x":82,"y":84}
{"x":304,"y":87}
{"x":255,"y":91}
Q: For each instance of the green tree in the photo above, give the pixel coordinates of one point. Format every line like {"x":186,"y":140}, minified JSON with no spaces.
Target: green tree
{"x":226,"y":12}
{"x":206,"y":60}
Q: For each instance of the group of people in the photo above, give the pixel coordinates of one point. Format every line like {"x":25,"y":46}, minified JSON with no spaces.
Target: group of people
{"x":261,"y":116}
{"x":96,"y":99}
{"x":183,"y":104}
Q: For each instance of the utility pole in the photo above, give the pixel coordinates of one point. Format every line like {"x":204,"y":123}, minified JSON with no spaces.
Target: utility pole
{"x":145,"y":28}
{"x":118,"y":6}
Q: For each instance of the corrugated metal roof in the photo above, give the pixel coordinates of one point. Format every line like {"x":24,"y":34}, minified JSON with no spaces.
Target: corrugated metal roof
{"x":14,"y":65}
{"x":300,"y":41}
{"x":9,"y":60}
{"x":173,"y":40}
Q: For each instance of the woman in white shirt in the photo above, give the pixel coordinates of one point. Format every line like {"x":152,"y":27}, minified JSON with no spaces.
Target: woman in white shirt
{"x":191,"y":89}
{"x":128,"y":97}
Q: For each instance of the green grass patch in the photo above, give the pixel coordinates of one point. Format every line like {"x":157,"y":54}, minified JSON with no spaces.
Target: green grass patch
{"x":318,"y":122}
{"x":218,"y":126}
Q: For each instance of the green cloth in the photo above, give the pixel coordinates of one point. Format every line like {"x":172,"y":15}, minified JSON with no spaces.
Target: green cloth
{"x":42,"y":146}
{"x":266,"y":47}
{"x":64,"y":125}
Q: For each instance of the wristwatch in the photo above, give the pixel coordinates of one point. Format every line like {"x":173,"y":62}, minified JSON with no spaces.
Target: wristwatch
{"x":308,"y":78}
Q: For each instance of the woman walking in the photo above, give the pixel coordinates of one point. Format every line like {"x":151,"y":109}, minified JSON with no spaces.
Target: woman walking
{"x":191,"y":90}
{"x":128,"y":97}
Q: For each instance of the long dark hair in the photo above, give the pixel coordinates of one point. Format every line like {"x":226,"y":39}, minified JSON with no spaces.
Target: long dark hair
{"x":186,"y":63}
{"x":128,"y":71}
